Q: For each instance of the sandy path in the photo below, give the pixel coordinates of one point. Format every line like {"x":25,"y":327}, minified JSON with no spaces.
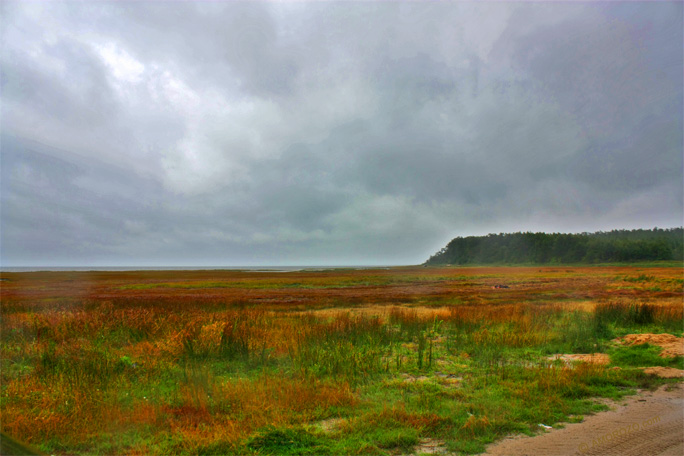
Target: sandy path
{"x":648,"y":424}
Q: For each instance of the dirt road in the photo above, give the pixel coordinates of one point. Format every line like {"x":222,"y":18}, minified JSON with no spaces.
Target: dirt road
{"x":647,"y":424}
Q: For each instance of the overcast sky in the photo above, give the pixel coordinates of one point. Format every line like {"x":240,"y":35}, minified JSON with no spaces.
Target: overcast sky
{"x":143,"y":133}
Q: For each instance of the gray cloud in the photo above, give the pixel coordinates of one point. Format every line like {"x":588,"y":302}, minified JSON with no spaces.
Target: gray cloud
{"x":241,"y":133}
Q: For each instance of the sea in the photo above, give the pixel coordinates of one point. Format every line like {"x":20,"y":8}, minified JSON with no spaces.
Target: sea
{"x":187,"y":268}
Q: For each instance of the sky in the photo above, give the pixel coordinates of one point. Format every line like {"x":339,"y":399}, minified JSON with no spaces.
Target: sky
{"x":333,"y":133}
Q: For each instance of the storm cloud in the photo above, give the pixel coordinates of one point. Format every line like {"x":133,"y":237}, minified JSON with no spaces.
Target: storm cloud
{"x":155,"y":133}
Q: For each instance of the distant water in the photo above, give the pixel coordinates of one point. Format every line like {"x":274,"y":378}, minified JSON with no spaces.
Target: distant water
{"x":184,"y":268}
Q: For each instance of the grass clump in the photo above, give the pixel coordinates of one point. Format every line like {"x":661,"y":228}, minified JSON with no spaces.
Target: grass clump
{"x":644,"y":355}
{"x":640,"y":316}
{"x":287,"y":441}
{"x":626,"y":314}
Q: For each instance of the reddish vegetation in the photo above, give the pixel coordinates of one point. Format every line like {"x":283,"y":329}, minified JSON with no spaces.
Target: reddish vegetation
{"x":77,"y":340}
{"x":64,"y":290}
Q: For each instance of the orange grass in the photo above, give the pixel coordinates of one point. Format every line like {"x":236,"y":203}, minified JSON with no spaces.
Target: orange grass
{"x":87,"y":354}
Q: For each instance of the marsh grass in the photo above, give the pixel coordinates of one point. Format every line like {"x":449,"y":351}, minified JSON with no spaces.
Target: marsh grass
{"x":204,"y":374}
{"x":629,"y":315}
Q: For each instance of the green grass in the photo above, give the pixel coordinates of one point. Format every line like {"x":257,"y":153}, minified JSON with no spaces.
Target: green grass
{"x":642,"y":355}
{"x":468,"y":375}
{"x":287,"y":441}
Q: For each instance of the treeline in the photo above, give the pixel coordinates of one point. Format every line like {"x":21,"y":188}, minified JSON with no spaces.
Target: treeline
{"x":558,"y":248}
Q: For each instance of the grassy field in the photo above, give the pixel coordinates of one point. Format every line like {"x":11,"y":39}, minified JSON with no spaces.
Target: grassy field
{"x":318,"y":362}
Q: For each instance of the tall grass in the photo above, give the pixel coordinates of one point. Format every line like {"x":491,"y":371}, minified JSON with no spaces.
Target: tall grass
{"x":199,"y":374}
{"x":637,"y":314}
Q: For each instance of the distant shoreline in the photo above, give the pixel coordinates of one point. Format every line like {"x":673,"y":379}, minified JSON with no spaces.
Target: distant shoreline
{"x":184,"y":268}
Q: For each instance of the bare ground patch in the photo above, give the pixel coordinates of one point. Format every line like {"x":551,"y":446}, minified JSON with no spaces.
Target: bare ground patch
{"x":331,"y":424}
{"x":429,"y":446}
{"x":672,"y":346}
{"x":664,"y":372}
{"x":593,"y":358}
{"x":648,"y":424}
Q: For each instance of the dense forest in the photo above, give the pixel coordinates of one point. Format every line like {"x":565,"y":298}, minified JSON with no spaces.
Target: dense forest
{"x":558,"y":248}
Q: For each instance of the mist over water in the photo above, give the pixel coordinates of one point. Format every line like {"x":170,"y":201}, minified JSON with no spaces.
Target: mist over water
{"x":184,"y":268}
